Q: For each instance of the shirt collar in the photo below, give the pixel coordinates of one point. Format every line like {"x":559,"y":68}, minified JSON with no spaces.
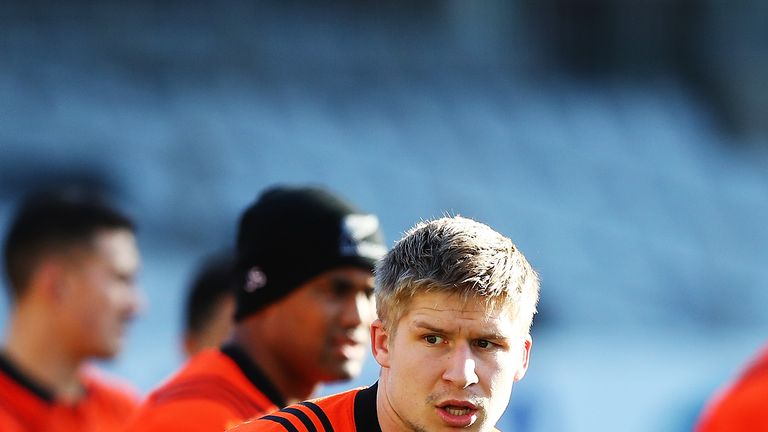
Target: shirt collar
{"x":366,"y":416}
{"x":8,"y":368}
{"x":254,"y":374}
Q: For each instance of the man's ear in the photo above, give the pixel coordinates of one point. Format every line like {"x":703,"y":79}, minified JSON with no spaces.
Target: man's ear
{"x":380,"y":343}
{"x":525,"y":357}
{"x":49,"y":280}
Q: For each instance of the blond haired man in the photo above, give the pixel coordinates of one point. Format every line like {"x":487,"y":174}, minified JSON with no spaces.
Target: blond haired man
{"x":455,"y":301}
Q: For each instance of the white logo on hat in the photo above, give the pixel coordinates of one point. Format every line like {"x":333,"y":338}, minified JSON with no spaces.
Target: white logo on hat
{"x":356,"y":233}
{"x":256,"y":279}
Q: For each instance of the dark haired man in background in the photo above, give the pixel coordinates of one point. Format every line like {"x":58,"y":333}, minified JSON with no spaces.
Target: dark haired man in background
{"x":210,"y":305}
{"x":70,"y":263}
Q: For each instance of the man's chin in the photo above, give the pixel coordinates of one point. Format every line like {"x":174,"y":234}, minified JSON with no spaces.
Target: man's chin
{"x":106,"y":352}
{"x":105,"y":355}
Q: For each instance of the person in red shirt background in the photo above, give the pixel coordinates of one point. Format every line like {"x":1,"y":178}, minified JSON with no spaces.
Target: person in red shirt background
{"x":304,"y":301}
{"x":743,"y":404}
{"x":71,"y":263}
{"x":209,"y":305}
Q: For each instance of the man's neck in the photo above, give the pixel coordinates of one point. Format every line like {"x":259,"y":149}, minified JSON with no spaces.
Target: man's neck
{"x":38,"y":353}
{"x":292,"y":388}
{"x":387,"y":420}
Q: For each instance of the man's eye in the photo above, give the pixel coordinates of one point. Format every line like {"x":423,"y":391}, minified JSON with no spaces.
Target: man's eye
{"x":433,"y":339}
{"x":483,"y":343}
{"x":341,"y":288}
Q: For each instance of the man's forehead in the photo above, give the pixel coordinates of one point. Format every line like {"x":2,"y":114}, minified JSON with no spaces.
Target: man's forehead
{"x":119,"y":246}
{"x":474,"y":307}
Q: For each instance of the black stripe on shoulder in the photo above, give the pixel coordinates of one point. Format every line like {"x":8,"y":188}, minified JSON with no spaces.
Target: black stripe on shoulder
{"x":284,"y":422}
{"x":299,"y":414}
{"x":320,"y":415}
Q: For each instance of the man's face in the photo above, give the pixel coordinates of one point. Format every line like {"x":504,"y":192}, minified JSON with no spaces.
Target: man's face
{"x":99,"y":295}
{"x":321,"y":329}
{"x":449,"y":364}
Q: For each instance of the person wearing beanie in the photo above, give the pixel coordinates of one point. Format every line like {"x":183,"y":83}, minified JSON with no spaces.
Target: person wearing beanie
{"x":304,"y":303}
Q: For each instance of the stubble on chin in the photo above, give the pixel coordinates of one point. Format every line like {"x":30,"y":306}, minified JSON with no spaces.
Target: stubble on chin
{"x":435,"y":398}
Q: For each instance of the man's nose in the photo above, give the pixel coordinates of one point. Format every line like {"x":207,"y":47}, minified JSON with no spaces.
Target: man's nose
{"x":135,"y":301}
{"x":356,"y":310}
{"x":460,"y":368}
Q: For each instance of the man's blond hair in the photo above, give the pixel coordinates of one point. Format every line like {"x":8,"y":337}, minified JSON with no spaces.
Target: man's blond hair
{"x":460,"y":256}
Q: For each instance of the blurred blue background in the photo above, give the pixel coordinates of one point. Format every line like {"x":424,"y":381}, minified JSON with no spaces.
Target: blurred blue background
{"x":622,"y":145}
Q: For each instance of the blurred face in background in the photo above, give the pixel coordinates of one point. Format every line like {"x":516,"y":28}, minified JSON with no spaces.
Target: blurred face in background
{"x":216,"y":328}
{"x":321,"y":330}
{"x":98,"y":294}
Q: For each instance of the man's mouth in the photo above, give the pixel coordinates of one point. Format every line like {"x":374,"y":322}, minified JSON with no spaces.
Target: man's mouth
{"x":349,"y":347}
{"x":457,"y":413}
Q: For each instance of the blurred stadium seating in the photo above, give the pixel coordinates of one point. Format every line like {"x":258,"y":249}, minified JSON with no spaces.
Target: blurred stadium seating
{"x":633,"y":175}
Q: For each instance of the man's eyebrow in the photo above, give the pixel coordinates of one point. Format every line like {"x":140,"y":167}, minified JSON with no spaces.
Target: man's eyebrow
{"x":494,"y":336}
{"x":344,"y":283}
{"x":422,"y":325}
{"x":427,"y":326}
{"x":340,"y":282}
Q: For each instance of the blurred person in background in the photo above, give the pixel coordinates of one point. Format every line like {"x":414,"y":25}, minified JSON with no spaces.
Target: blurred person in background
{"x":210,"y":305}
{"x":743,"y":405}
{"x":71,"y":264}
{"x":304,"y":301}
{"x":455,"y":301}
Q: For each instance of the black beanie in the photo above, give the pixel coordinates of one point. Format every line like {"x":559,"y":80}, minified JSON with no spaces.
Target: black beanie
{"x":292,"y":234}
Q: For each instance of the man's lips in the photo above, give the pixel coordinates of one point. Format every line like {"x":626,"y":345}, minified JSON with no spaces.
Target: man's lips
{"x":349,"y":347}
{"x":346,"y":340}
{"x":457,"y":404}
{"x":457,"y":413}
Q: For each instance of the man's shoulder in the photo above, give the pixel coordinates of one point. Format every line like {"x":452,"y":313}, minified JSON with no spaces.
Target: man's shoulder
{"x":19,"y":408}
{"x":209,"y":375}
{"x":328,"y":413}
{"x":209,"y":392}
{"x":106,"y":404}
{"x":101,"y":385}
{"x":16,"y":386}
{"x":752,"y":385}
{"x":10,"y":386}
{"x":742,"y":404}
{"x":207,"y":367}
